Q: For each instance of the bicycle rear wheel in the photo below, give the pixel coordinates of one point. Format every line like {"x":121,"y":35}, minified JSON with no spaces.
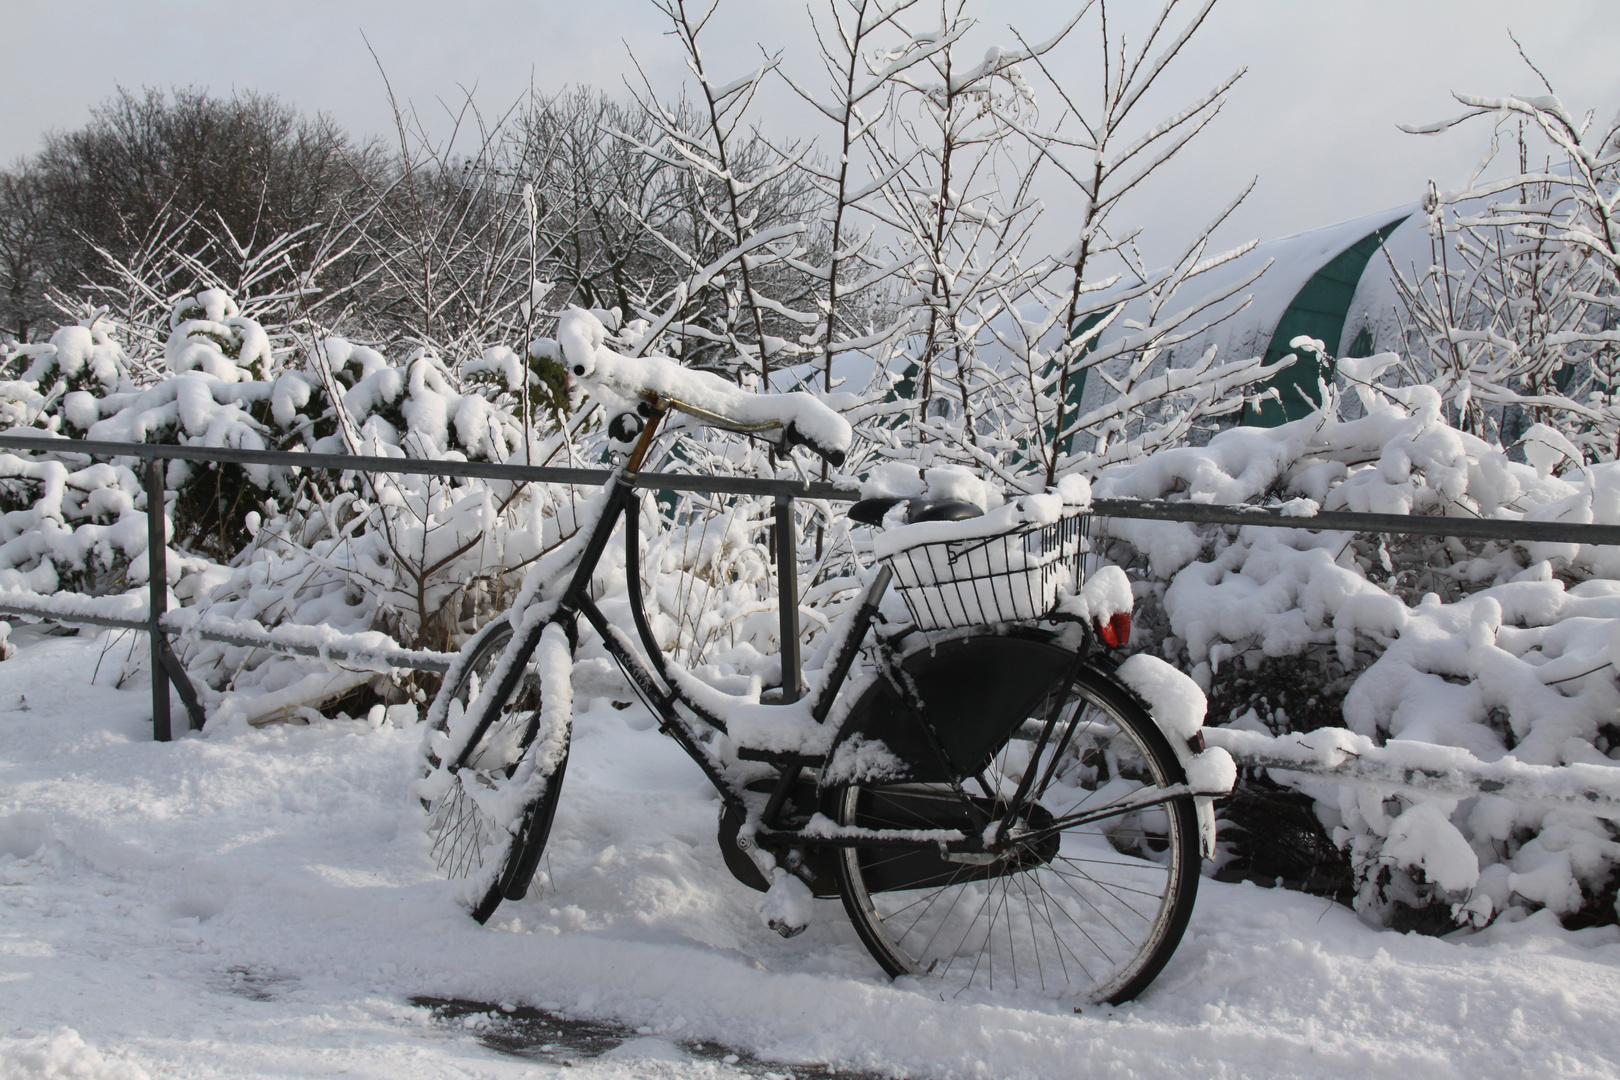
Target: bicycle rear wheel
{"x":479,"y":831}
{"x":1092,"y":891}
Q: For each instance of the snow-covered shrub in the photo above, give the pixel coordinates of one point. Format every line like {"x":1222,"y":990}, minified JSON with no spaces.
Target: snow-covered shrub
{"x":402,"y":554}
{"x":78,"y":529}
{"x":207,"y":330}
{"x":1494,"y":647}
{"x":81,"y":359}
{"x":422,"y":560}
{"x":66,"y":525}
{"x":425,"y":560}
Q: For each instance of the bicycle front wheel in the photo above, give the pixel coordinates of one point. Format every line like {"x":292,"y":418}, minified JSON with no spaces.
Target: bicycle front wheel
{"x":483,"y":829}
{"x":1091,"y":891}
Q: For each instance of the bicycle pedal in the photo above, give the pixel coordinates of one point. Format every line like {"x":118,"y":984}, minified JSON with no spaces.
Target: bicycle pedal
{"x":786,"y":906}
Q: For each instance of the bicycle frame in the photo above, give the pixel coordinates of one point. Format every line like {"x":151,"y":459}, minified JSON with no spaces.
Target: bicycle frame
{"x":659,"y":688}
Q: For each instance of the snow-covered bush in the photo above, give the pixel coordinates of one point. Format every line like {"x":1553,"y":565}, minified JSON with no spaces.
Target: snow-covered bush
{"x":66,"y":526}
{"x":404,"y":551}
{"x":423,"y":559}
{"x":1497,"y":648}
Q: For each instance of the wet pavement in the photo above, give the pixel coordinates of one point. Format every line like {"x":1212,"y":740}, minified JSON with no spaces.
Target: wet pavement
{"x":539,"y":1035}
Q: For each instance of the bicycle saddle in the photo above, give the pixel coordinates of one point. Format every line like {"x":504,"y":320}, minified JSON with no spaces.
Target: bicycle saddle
{"x":872,"y":511}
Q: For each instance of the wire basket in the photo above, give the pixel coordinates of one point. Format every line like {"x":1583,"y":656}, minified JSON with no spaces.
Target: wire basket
{"x":1011,"y":577}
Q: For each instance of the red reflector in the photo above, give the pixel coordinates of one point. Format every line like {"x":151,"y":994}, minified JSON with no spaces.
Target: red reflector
{"x":1116,"y":632}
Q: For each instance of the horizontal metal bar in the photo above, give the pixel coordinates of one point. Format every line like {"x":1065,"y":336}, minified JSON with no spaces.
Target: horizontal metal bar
{"x":1591,"y":789}
{"x":486,"y":470}
{"x":747,"y":485}
{"x":1556,"y":532}
{"x":398,"y":658}
{"x":1412,"y":524}
{"x":38,"y":611}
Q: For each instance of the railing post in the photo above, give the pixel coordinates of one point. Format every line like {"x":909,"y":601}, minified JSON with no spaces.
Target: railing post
{"x":157,"y":588}
{"x":787,"y":597}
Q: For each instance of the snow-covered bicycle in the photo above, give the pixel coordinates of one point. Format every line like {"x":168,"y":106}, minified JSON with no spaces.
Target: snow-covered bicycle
{"x":995,"y":806}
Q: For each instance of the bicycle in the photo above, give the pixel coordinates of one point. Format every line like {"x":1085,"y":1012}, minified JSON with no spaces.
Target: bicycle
{"x":993,"y":806}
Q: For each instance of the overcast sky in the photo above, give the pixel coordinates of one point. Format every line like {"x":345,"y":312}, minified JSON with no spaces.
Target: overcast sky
{"x":1314,"y":118}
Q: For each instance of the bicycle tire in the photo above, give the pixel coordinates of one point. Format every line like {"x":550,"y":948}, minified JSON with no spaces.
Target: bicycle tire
{"x":498,"y":858}
{"x":1086,"y":912}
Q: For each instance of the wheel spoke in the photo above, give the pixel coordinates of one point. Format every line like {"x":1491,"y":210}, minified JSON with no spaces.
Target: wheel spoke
{"x":956,"y":952}
{"x":945,"y":919}
{"x":1083,"y":876}
{"x":1034,"y":940}
{"x":1105,"y":887}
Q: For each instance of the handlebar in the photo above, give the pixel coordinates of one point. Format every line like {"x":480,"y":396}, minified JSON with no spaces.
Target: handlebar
{"x":632,"y":383}
{"x":784,"y":434}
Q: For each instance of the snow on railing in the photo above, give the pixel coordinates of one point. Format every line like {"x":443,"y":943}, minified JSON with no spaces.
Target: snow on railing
{"x":1347,"y":758}
{"x":1309,"y":517}
{"x":123,"y":611}
{"x":371,"y":650}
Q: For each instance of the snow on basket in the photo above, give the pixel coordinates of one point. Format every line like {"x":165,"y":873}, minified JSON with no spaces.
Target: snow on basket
{"x":1011,"y":575}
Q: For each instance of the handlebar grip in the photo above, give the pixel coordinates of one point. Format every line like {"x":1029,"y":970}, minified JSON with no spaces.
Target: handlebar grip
{"x":792,"y":436}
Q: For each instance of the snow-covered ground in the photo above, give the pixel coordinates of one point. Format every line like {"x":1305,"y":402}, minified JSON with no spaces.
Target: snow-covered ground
{"x":260,"y":902}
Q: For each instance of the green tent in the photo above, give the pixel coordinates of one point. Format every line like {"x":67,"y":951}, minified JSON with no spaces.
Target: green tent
{"x":1318,"y":310}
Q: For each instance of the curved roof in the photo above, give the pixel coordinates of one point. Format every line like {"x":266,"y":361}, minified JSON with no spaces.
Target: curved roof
{"x":1319,"y":309}
{"x":1313,"y":283}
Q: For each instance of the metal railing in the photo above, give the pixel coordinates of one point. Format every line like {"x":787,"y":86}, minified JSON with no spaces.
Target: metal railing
{"x":1474,"y":528}
{"x":1450,"y":772}
{"x":159,"y":625}
{"x":166,"y":667}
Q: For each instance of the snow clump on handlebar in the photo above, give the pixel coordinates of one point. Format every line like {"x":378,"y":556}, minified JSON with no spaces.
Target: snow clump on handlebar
{"x":783,"y":419}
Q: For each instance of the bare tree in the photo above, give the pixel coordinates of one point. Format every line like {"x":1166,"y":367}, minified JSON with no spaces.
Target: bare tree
{"x":1002,"y":329}
{"x":248,"y":166}
{"x":857,"y":103}
{"x":1118,"y":156}
{"x":742,"y":202}
{"x":1517,"y":319}
{"x":26,"y":255}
